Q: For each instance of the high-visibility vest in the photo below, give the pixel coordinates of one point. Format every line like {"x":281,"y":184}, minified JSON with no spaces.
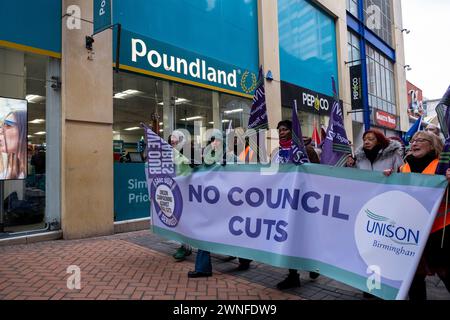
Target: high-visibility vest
{"x":246,"y":155}
{"x":440,"y":218}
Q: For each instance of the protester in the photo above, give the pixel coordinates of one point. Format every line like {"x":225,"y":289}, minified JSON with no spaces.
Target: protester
{"x":177,"y":140}
{"x":431,"y":128}
{"x":283,"y":155}
{"x":377,"y":153}
{"x":213,"y":154}
{"x":312,"y":152}
{"x":424,"y":158}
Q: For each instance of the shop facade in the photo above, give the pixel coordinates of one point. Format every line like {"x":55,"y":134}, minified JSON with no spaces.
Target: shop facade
{"x":377,"y":67}
{"x":191,"y":67}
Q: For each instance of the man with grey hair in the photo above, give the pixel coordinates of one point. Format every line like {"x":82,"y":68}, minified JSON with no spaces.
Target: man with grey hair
{"x":432,"y":128}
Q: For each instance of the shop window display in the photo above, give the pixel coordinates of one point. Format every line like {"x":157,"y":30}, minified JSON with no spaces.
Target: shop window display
{"x":22,"y":142}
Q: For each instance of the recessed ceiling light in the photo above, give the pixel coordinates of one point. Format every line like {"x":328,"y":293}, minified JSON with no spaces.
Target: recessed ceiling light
{"x":223,"y":121}
{"x":177,"y":101}
{"x":34,"y":98}
{"x":233,"y":111}
{"x":132,"y":129}
{"x":37,"y":121}
{"x":40,"y":133}
{"x":127,"y":94}
{"x":192,"y":118}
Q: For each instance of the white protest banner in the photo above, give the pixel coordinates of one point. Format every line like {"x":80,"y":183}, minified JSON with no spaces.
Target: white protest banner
{"x":358,"y":227}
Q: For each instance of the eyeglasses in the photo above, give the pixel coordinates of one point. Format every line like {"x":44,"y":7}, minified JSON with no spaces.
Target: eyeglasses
{"x":419,"y":140}
{"x":7,"y":124}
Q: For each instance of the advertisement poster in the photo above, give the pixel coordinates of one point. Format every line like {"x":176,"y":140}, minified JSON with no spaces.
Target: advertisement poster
{"x":13,"y":139}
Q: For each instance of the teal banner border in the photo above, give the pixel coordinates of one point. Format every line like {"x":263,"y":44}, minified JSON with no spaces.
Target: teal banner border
{"x":402,"y":179}
{"x":277,"y":260}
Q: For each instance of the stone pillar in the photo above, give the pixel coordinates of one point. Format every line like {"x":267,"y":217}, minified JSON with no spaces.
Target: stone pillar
{"x":399,"y":67}
{"x":338,"y":10}
{"x":87,"y":116}
{"x":269,"y":58}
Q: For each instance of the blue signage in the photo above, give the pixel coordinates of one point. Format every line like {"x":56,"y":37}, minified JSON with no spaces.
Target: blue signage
{"x":102,"y":15}
{"x":131,"y":200}
{"x":221,"y":29}
{"x":149,"y":56}
{"x":33,"y":26}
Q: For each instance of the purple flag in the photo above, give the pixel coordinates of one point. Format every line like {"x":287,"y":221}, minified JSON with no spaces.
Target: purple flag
{"x":258,"y":113}
{"x":443,"y":111}
{"x":159,"y":156}
{"x":336,"y":146}
{"x":298,"y":150}
{"x":258,"y":120}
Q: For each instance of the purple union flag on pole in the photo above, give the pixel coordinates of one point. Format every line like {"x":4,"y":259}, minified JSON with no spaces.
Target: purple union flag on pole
{"x":159,"y":156}
{"x":336,"y":146}
{"x":258,"y":120}
{"x":298,"y":151}
{"x":443,"y":112}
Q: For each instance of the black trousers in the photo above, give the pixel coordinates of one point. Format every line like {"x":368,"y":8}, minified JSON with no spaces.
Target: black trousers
{"x":244,"y":261}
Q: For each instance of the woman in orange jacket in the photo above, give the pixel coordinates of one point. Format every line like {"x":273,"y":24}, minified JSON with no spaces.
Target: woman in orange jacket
{"x":423,"y":158}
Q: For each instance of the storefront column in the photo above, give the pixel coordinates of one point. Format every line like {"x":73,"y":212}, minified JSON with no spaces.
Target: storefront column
{"x":169,"y":109}
{"x":399,"y":67}
{"x":53,"y":148}
{"x":338,"y":9}
{"x":87,"y":139}
{"x":269,"y":58}
{"x":216,"y":110}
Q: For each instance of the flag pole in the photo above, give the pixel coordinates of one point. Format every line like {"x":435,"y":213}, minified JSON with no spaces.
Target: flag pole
{"x":445,"y":218}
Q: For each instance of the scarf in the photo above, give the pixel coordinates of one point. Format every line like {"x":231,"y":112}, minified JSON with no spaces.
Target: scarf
{"x":373,"y":153}
{"x":284,"y":153}
{"x":417,"y":165}
{"x":285,"y":144}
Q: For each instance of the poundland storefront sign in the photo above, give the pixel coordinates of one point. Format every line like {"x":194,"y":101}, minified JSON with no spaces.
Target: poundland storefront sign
{"x":149,"y":56}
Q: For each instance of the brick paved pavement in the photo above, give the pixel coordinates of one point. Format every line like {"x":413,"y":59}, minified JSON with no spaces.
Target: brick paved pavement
{"x":139,"y":265}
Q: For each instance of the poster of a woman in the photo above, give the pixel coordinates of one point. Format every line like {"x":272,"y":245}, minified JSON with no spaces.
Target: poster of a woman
{"x":13,"y":139}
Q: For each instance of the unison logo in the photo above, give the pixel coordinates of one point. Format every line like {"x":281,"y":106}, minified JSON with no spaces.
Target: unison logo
{"x":195,"y":68}
{"x":382,"y":226}
{"x":388,"y":232}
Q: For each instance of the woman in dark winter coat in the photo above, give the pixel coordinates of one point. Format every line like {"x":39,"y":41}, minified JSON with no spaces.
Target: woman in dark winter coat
{"x":282,"y":155}
{"x":377,"y":153}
